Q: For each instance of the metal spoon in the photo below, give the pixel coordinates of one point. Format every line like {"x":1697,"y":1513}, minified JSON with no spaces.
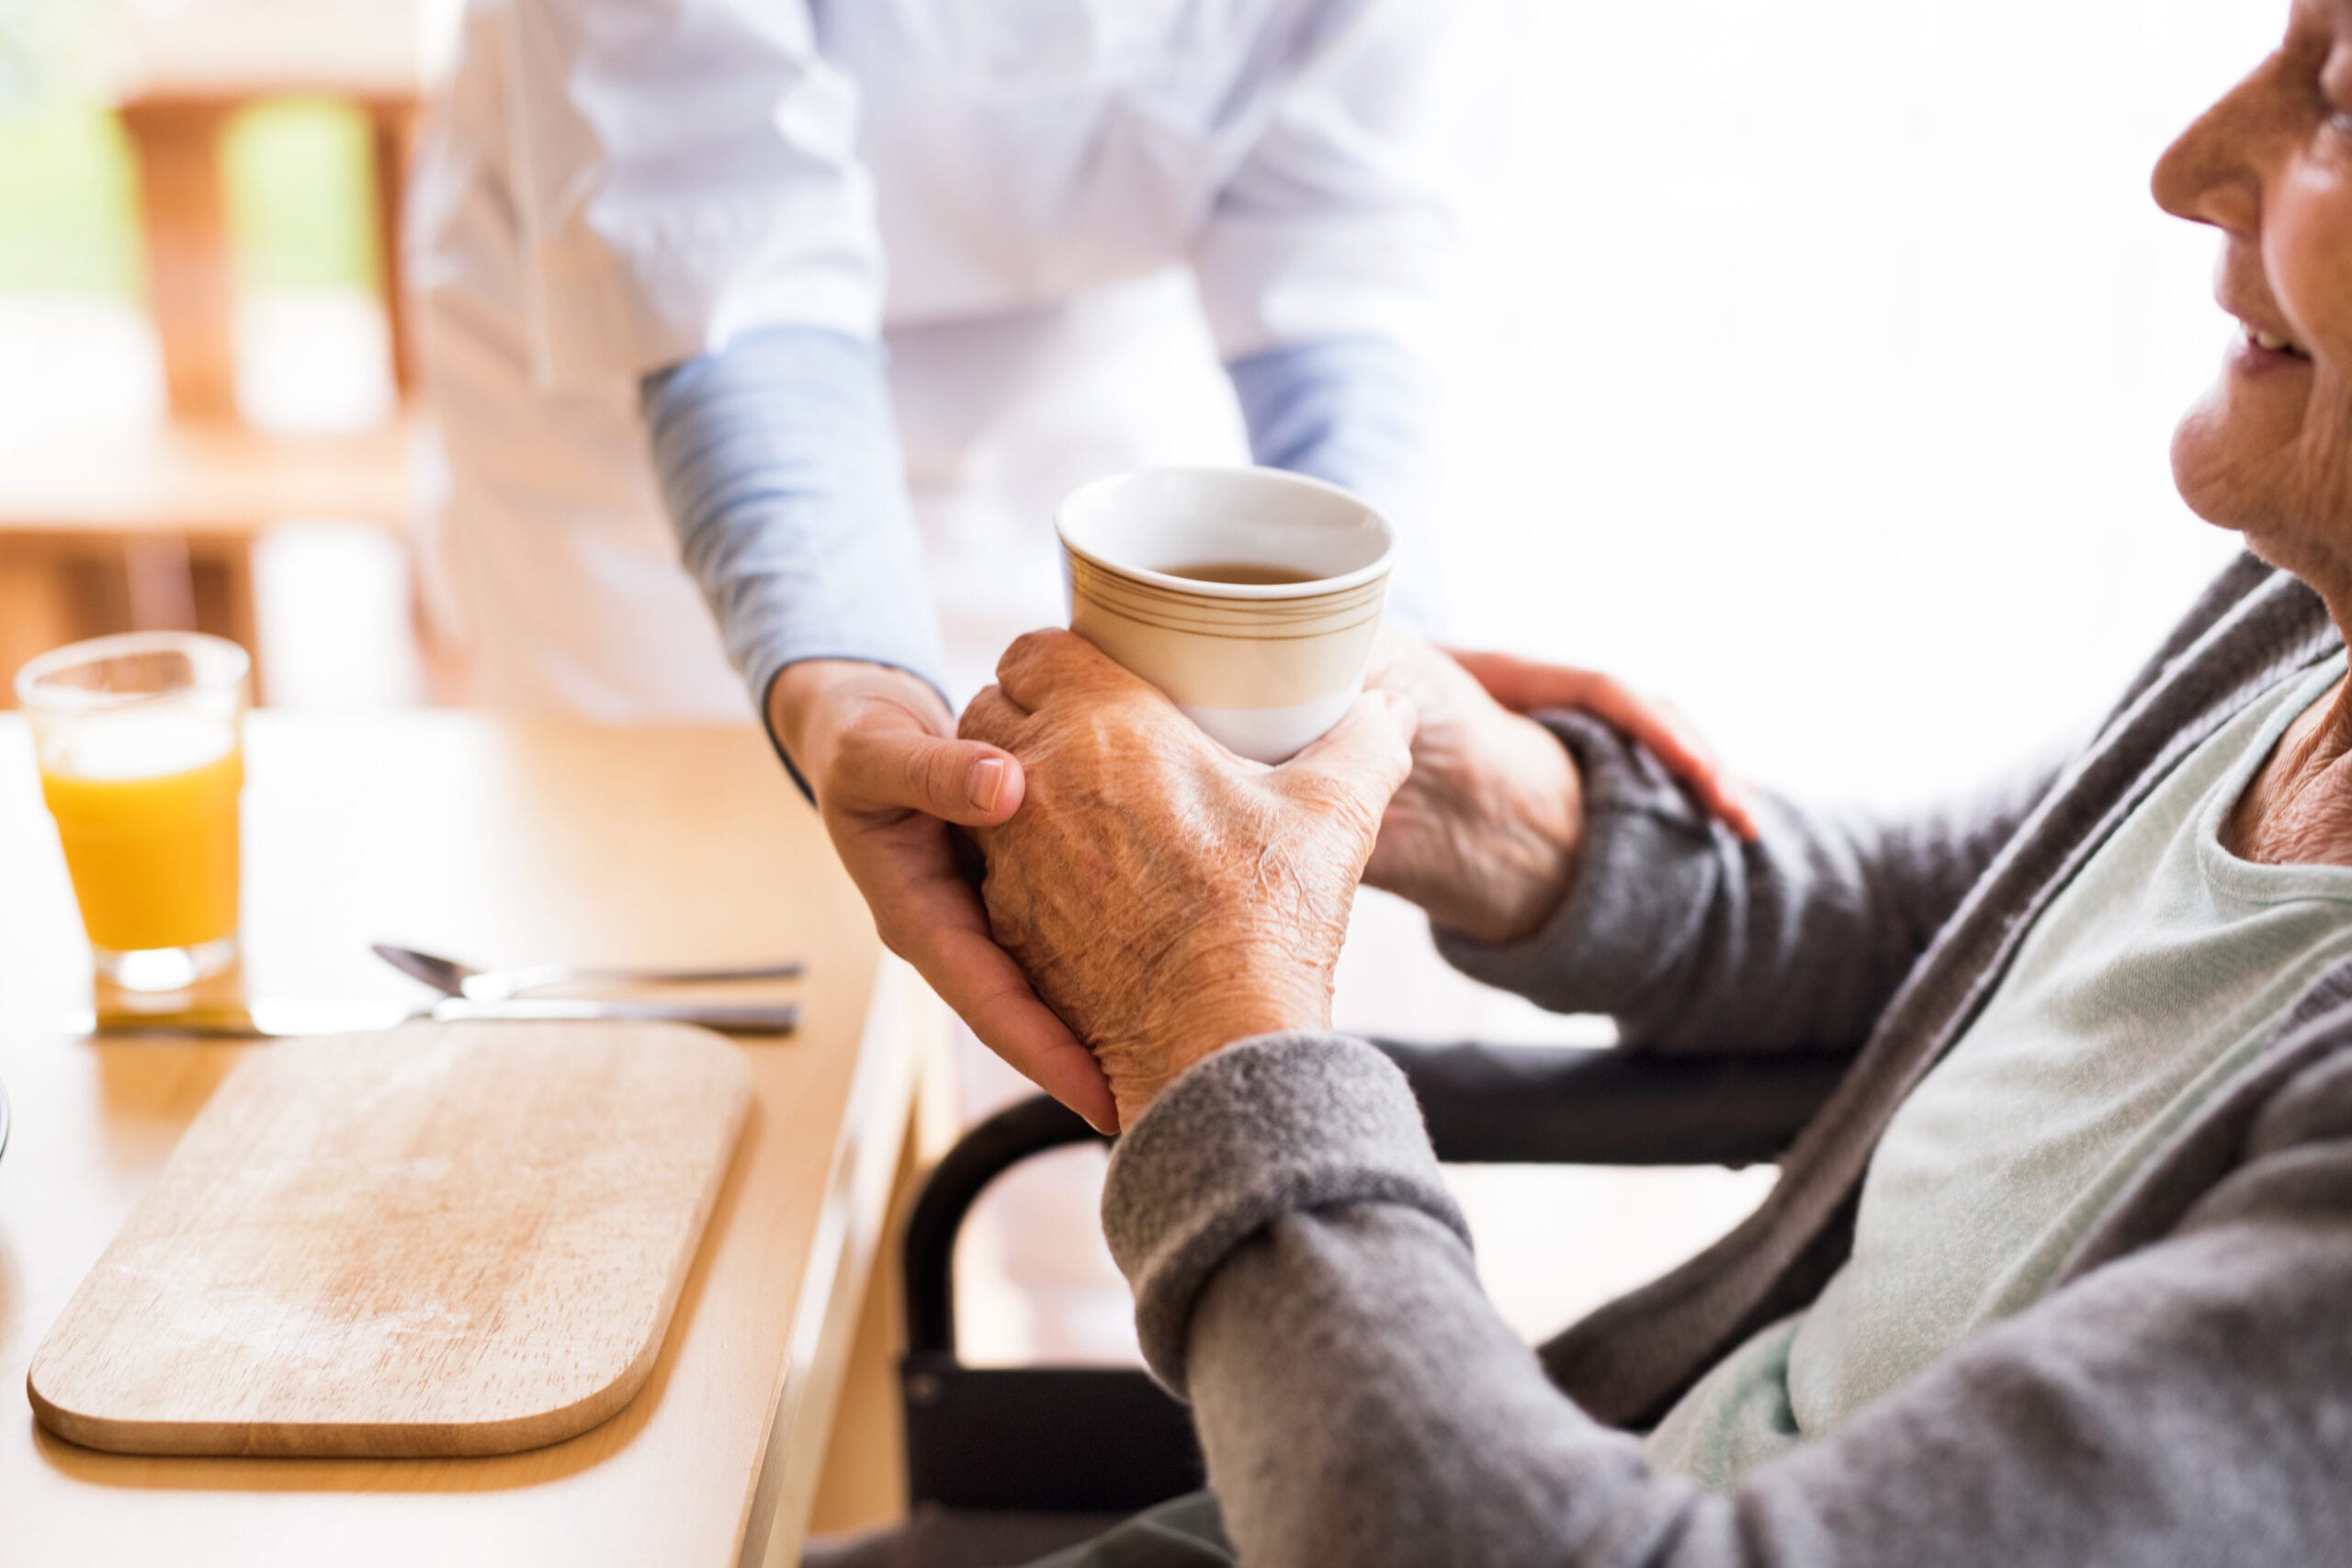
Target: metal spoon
{"x":276,"y":1017}
{"x":453,"y":978}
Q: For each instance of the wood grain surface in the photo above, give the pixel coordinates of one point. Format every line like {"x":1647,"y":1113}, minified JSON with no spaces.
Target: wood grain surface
{"x":505,"y":843}
{"x":440,"y":1239}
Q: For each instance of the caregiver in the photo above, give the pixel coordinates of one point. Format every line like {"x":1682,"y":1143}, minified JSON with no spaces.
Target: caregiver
{"x":1083,"y":231}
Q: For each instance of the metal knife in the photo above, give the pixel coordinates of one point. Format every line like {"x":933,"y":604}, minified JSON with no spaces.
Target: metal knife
{"x":274,"y":1018}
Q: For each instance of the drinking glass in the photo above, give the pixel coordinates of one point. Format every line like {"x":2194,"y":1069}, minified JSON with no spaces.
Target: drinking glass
{"x":140,"y":747}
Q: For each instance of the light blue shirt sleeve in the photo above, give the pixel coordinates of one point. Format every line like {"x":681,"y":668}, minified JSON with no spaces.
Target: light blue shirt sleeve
{"x":1356,"y":412}
{"x":778,"y":460}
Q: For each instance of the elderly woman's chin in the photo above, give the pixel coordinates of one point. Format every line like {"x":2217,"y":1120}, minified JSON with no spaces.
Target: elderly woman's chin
{"x":2252,"y":456}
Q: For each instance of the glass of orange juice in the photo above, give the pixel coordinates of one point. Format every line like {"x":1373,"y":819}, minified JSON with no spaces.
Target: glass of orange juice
{"x":141,"y":745}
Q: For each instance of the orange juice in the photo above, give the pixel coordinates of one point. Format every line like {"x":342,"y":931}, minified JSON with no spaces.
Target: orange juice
{"x":146,"y":807}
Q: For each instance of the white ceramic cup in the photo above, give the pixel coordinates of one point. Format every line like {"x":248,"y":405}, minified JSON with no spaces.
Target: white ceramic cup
{"x":1264,"y":666}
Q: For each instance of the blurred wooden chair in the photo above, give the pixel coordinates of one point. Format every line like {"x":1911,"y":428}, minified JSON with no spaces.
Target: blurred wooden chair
{"x":157,"y":528}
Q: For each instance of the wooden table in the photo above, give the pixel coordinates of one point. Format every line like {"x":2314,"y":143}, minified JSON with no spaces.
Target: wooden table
{"x":501,"y":842}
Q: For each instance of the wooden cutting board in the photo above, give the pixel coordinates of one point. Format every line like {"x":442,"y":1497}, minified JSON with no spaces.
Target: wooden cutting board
{"x":440,"y":1239}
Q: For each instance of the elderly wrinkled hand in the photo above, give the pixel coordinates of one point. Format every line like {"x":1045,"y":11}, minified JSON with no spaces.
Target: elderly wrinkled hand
{"x":1485,"y":834}
{"x":1165,"y":897}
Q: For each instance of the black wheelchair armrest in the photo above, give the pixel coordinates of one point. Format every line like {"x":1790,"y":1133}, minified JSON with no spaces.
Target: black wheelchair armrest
{"x":1564,"y":1105}
{"x":1106,"y":1440}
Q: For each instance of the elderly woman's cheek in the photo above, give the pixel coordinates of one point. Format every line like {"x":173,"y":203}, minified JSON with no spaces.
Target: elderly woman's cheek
{"x":2308,"y":254}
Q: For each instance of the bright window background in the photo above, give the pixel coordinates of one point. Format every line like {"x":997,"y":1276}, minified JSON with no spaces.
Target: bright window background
{"x":1825,"y":364}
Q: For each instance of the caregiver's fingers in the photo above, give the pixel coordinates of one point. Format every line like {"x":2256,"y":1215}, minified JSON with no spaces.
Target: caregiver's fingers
{"x":944,"y":936}
{"x":1661,"y":727}
{"x":889,"y":759}
{"x":1524,"y":686}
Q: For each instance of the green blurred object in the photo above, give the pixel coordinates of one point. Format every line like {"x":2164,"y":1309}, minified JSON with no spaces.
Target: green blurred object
{"x":299,"y":195}
{"x":297,"y":189}
{"x":68,"y":211}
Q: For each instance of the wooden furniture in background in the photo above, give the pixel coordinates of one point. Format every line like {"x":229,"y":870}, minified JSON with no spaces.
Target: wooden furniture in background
{"x":191,"y":281}
{"x":146,"y":531}
{"x":182,"y":73}
{"x":502,"y":842}
{"x":176,"y":135}
{"x":446,"y":1239}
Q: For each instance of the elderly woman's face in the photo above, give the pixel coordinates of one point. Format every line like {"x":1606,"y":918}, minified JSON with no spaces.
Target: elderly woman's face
{"x":2268,"y":450}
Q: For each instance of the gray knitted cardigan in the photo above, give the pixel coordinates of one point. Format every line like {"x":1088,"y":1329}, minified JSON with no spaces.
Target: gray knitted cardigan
{"x":2183,"y":1395}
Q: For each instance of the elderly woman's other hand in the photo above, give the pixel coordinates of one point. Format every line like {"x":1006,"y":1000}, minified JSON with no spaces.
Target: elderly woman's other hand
{"x":1484,"y":833}
{"x":1165,"y":897}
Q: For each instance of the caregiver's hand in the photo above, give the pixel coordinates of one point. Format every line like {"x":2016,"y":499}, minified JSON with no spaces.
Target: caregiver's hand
{"x":1165,"y":896}
{"x":879,"y":749}
{"x":1524,"y":686}
{"x":1484,"y":833}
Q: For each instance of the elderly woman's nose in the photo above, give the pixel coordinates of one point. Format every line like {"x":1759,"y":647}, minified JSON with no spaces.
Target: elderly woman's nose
{"x":2211,"y":173}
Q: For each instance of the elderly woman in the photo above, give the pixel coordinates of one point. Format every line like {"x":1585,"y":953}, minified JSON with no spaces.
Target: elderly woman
{"x":2064,"y":1271}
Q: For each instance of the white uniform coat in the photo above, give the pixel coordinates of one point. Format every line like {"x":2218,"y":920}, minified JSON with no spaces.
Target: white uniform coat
{"x":1061,"y":214}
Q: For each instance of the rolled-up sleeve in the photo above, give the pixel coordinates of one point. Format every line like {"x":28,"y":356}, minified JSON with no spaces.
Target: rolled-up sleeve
{"x":1357,"y":412}
{"x":684,"y":172}
{"x":1337,"y":222}
{"x":780,"y":468}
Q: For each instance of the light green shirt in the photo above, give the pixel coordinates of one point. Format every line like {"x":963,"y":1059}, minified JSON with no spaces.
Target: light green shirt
{"x":2152,"y":979}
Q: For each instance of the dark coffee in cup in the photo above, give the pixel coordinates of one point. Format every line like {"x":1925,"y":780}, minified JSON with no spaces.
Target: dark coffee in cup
{"x":1243,"y":571}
